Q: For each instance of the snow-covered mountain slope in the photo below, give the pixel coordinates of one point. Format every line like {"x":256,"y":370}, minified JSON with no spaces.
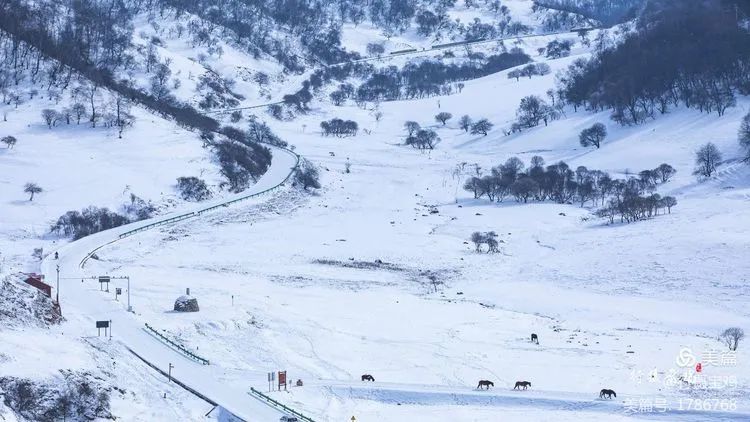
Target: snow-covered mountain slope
{"x":339,"y":284}
{"x":375,"y":272}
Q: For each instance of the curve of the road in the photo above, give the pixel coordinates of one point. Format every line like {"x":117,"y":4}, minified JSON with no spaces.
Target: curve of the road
{"x":83,"y":303}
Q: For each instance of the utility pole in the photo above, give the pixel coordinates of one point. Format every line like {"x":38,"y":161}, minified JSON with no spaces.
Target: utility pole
{"x":57,"y":290}
{"x":130,"y":309}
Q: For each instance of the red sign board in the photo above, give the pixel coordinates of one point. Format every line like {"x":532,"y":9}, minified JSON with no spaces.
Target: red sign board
{"x":282,"y":379}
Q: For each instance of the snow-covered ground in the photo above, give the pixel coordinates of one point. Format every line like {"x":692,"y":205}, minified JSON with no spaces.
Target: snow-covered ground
{"x":361,"y":278}
{"x":294,"y":283}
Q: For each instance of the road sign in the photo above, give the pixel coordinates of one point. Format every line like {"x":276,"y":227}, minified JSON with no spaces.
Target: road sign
{"x":102,"y":280}
{"x":105,"y":325}
{"x":282,"y":379}
{"x":118,"y":290}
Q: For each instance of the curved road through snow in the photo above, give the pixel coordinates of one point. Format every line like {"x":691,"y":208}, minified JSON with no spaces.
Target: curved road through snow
{"x":83,"y":303}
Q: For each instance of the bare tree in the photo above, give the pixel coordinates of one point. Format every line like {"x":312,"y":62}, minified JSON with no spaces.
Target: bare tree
{"x":411,"y":127}
{"x":669,"y":202}
{"x":706,"y":159}
{"x":593,"y":135}
{"x":465,"y":123}
{"x":49,"y":116}
{"x":443,"y":117}
{"x":482,"y":126}
{"x":32,"y":188}
{"x":732,"y":336}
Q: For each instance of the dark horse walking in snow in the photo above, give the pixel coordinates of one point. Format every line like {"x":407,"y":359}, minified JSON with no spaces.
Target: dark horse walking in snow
{"x":368,"y":377}
{"x":524,"y":384}
{"x":607,"y":392}
{"x":485,"y":383}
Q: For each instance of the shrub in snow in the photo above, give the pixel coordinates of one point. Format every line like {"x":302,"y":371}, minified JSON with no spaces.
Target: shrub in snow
{"x":486,"y":238}
{"x":138,"y":209}
{"x":193,"y":189}
{"x":186,"y":304}
{"x":9,"y":141}
{"x":307,"y":176}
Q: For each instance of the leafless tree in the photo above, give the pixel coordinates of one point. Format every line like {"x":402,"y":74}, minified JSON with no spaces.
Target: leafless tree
{"x":732,"y":336}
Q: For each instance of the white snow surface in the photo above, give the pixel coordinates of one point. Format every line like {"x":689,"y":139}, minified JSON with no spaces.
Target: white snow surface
{"x":290,"y":281}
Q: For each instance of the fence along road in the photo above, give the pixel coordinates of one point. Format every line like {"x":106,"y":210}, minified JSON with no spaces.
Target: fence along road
{"x":83,"y":303}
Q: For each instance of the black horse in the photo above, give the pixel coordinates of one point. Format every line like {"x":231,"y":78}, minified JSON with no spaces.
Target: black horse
{"x":607,"y":392}
{"x":524,"y":384}
{"x":368,"y":377}
{"x":485,"y":383}
{"x":534,"y":338}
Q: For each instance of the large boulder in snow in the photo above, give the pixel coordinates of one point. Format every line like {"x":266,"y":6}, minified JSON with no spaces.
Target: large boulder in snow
{"x":186,"y":304}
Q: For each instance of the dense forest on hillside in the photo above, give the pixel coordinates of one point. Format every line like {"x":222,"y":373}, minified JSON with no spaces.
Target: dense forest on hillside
{"x":696,"y":54}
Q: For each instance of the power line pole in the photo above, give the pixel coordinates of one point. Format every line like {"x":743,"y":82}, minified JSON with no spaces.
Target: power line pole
{"x":130,"y":309}
{"x":57,"y":290}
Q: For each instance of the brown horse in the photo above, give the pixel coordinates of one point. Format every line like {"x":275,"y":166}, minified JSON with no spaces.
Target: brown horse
{"x":607,"y":392}
{"x":368,"y":377}
{"x":485,"y":383}
{"x":524,"y":384}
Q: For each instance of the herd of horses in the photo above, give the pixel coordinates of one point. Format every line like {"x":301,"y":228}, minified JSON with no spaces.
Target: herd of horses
{"x":486,"y":384}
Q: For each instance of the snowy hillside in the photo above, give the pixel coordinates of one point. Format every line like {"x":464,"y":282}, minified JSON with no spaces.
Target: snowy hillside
{"x":382,"y":237}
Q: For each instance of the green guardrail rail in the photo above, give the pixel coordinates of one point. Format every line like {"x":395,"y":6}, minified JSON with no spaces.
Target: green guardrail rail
{"x":176,"y":345}
{"x":280,"y":405}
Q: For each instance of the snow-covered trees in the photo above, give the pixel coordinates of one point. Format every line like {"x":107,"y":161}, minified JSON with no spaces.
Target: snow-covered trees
{"x":529,"y":71}
{"x":375,"y":49}
{"x":32,"y":189}
{"x":307,"y":176}
{"x":50,"y":117}
{"x":673,"y":41}
{"x":481,"y":127}
{"x":557,"y":49}
{"x":593,"y":135}
{"x":707,"y":157}
{"x":193,"y":189}
{"x":423,"y":139}
{"x":339,"y":127}
{"x":531,"y":111}
{"x":88,"y":221}
{"x":632,"y":199}
{"x":744,"y":136}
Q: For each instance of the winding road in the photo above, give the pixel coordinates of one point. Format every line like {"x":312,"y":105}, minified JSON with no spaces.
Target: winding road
{"x":84,"y":304}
